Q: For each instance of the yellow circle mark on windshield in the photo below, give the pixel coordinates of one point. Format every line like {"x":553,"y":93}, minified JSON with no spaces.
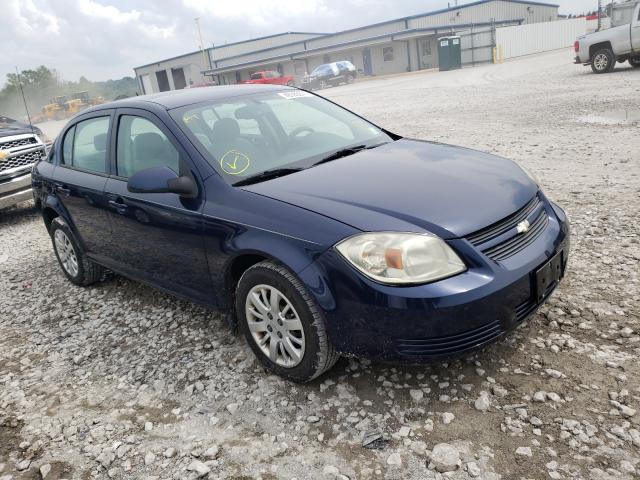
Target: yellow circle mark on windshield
{"x":234,"y":162}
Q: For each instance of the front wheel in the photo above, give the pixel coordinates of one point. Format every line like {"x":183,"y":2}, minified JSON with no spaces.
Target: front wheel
{"x":603,"y":61}
{"x":635,"y":62}
{"x":74,"y":263}
{"x":282,"y":324}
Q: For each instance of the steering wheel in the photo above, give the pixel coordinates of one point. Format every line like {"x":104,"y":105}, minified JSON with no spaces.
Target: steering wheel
{"x":297,"y":131}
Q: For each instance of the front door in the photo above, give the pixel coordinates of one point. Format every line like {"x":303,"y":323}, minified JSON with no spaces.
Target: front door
{"x":80,"y":178}
{"x":156,"y":237}
{"x":635,"y":31}
{"x":366,"y":61}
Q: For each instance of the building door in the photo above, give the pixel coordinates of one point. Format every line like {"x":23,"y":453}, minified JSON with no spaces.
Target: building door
{"x":366,"y":61}
{"x":238,"y":77}
{"x":146,"y":84}
{"x":163,"y":81}
{"x":179,"y":81}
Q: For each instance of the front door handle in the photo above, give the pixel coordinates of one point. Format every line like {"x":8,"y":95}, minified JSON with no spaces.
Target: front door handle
{"x":62,"y":189}
{"x":119,"y":206}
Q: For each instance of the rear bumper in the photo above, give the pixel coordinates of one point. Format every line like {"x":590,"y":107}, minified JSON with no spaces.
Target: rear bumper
{"x":435,"y":321}
{"x":15,"y":190}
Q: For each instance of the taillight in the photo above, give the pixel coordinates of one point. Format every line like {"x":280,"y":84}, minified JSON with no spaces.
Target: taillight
{"x":576,"y":46}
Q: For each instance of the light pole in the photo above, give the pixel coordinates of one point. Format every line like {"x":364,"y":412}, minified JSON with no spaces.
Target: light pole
{"x":204,"y":58}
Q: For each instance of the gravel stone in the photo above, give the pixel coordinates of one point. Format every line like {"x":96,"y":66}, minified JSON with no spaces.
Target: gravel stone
{"x":445,"y":457}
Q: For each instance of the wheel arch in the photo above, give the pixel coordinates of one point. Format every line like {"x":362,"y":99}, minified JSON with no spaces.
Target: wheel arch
{"x":597,"y":46}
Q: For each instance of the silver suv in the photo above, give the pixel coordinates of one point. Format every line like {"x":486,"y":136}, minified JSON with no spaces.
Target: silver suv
{"x":20,"y":148}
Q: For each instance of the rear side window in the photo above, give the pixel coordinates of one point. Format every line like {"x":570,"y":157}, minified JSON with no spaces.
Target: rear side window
{"x":142,"y":145}
{"x":89,"y":150}
{"x":67,"y":147}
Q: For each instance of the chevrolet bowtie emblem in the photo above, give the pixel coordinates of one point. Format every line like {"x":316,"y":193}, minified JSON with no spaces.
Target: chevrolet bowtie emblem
{"x":523,"y":226}
{"x":3,"y":154}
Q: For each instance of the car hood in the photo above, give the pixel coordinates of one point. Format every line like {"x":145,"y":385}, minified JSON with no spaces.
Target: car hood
{"x":409,"y":185}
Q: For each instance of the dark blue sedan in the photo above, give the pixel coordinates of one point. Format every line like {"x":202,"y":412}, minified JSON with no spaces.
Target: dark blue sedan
{"x":318,"y":232}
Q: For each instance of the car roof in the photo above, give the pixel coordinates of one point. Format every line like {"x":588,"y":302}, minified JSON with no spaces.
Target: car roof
{"x":189,"y":96}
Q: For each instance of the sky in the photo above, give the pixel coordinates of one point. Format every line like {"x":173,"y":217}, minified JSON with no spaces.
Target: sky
{"x":103,"y":39}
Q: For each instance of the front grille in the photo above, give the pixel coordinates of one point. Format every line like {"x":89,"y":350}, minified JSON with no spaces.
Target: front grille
{"x":21,"y":160}
{"x":516,"y":242}
{"x":20,"y":142}
{"x":448,"y":345}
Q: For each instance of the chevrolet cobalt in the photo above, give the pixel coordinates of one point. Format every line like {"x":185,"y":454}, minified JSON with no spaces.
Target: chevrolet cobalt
{"x":316,"y":231}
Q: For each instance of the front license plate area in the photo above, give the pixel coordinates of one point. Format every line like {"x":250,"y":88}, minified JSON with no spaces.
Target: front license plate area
{"x":548,"y":275}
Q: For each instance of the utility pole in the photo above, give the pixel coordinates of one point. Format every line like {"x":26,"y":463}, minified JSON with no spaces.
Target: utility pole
{"x":204,"y":57}
{"x":599,"y":14}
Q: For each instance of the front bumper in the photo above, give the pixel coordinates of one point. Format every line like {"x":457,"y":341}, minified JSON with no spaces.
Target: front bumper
{"x":15,"y":190}
{"x":438,"y":320}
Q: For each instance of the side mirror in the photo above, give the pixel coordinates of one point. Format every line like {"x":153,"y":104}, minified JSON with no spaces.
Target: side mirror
{"x":162,"y":180}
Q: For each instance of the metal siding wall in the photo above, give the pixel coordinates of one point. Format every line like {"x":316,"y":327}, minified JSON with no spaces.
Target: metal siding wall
{"x":257,"y":56}
{"x":355,"y":35}
{"x":397,"y":65}
{"x":487,"y":12}
{"x":539,"y":37}
{"x":192,"y":65}
{"x":224,"y":51}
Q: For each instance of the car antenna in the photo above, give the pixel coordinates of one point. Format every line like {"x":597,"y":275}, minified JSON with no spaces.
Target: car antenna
{"x":25,"y":101}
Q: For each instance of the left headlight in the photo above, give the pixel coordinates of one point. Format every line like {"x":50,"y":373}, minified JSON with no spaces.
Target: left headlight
{"x":401,"y":258}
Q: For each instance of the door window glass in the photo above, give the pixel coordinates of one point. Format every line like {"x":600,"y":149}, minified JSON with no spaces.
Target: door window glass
{"x":90,"y":145}
{"x":142,"y":145}
{"x":67,"y":146}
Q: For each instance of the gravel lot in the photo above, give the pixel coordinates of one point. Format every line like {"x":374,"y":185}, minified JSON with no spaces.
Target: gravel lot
{"x":121,"y":381}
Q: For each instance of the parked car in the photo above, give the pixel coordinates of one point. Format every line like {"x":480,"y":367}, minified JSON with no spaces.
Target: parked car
{"x":270,"y":77}
{"x":330,"y":74}
{"x":619,"y":43}
{"x":20,"y":148}
{"x":316,"y":231}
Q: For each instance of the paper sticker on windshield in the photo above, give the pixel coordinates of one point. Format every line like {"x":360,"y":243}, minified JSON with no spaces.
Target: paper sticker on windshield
{"x":295,"y":94}
{"x":234,"y":162}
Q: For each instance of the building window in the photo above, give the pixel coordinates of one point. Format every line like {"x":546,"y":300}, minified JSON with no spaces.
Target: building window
{"x":387,"y":54}
{"x":179,"y":81}
{"x":425,"y":47}
{"x":163,"y":80}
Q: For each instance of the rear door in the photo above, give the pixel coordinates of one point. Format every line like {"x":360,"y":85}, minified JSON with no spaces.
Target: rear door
{"x":79,"y":180}
{"x":157,"y":237}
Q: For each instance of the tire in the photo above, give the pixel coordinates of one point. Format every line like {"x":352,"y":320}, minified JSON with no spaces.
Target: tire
{"x":73,"y":262}
{"x":350,"y":79}
{"x":290,"y":83}
{"x":603,"y":61}
{"x":307,"y":335}
{"x":635,"y":62}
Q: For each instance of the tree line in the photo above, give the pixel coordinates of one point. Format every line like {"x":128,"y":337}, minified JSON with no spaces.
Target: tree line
{"x":41,"y":85}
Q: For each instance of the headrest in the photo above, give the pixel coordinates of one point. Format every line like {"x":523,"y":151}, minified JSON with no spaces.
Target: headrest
{"x":150,"y":144}
{"x":226,"y":129}
{"x":100,"y":142}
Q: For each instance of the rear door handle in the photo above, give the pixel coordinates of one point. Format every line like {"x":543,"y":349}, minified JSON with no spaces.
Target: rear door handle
{"x":118,"y":205}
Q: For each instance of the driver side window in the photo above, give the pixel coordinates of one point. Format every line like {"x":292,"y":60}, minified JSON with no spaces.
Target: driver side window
{"x":142,"y":145}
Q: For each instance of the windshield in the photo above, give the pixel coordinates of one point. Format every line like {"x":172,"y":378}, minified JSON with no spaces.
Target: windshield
{"x":322,"y":70}
{"x":244,"y":136}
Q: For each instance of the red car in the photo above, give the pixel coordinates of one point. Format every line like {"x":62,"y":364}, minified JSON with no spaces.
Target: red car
{"x":270,"y":76}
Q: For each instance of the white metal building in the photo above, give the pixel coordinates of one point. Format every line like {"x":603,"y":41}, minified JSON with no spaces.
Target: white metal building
{"x":394,"y":46}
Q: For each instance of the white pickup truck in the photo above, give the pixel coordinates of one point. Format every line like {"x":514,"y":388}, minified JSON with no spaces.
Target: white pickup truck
{"x":619,"y":43}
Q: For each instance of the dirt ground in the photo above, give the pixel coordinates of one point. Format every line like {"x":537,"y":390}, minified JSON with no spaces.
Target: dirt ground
{"x":121,"y":381}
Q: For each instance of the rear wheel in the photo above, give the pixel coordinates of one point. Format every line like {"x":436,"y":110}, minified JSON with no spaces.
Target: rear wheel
{"x":74,"y":263}
{"x":350,"y":78}
{"x":282,"y":324}
{"x":603,"y":61}
{"x":635,"y":62}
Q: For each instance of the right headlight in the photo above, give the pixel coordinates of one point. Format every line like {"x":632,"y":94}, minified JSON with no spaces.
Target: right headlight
{"x":401,"y":258}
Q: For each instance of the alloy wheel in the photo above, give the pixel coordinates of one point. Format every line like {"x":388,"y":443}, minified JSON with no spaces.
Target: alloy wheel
{"x":601,"y":61}
{"x":275,"y":325}
{"x":66,"y":253}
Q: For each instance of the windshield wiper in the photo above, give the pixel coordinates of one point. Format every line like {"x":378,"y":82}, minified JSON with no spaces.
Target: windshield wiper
{"x":266,"y":175}
{"x":345,"y":152}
